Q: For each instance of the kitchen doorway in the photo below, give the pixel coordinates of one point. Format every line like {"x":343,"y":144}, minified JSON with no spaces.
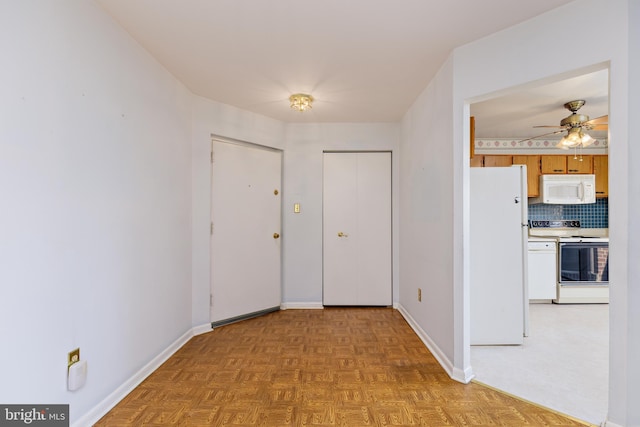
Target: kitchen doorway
{"x":576,"y":347}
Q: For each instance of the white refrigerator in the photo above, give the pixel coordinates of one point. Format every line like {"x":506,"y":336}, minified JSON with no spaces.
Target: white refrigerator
{"x":499,"y":306}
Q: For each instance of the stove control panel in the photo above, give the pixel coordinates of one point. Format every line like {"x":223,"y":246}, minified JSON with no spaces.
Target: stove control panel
{"x":561,"y":223}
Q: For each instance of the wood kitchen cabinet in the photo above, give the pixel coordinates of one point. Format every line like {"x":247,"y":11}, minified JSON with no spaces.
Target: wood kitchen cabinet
{"x":601,"y":170}
{"x":533,"y":172}
{"x":477,"y":161}
{"x":553,"y":165}
{"x":579,"y":164}
{"x":489,"y":161}
{"x":497,"y":161}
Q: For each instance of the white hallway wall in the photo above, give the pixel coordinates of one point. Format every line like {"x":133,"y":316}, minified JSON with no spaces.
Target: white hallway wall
{"x":95,"y":217}
{"x":518,"y":56}
{"x":302,"y":233}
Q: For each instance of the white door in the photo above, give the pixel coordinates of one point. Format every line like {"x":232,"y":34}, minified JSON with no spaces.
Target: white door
{"x":245,"y":243}
{"x":357,"y":229}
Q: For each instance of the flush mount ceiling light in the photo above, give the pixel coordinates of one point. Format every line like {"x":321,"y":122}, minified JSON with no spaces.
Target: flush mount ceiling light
{"x":301,"y":101}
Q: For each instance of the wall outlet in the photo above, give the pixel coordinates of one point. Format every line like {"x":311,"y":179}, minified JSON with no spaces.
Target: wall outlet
{"x":74,"y":357}
{"x":419,"y":295}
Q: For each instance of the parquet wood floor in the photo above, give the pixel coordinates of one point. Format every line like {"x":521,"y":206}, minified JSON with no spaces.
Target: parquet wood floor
{"x":334,"y":367}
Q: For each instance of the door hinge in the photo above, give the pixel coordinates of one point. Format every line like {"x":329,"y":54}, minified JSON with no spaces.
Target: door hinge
{"x":211,"y":300}
{"x":211,"y":229}
{"x":212,"y":158}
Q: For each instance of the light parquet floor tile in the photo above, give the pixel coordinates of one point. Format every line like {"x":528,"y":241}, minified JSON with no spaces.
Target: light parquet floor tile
{"x":334,"y":367}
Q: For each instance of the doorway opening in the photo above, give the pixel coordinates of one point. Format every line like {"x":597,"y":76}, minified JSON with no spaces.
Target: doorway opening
{"x":566,"y":350}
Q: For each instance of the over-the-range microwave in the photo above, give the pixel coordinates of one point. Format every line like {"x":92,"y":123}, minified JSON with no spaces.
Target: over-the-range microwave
{"x":566,"y":189}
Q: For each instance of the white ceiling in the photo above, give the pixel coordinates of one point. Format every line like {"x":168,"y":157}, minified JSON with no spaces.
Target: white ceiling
{"x":363,"y":60}
{"x":514,"y":115}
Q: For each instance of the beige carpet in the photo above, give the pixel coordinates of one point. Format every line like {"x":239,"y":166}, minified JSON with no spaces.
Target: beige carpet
{"x":563,"y":364}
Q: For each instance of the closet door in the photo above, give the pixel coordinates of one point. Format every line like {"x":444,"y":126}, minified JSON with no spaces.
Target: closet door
{"x":357,"y":229}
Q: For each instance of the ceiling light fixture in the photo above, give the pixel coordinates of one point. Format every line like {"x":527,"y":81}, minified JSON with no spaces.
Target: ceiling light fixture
{"x":301,"y":101}
{"x":575,"y":137}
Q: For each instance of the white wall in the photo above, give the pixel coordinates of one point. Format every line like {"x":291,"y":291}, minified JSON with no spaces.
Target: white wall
{"x":302,"y":233}
{"x":95,"y":183}
{"x":518,"y":56}
{"x":426,"y":214}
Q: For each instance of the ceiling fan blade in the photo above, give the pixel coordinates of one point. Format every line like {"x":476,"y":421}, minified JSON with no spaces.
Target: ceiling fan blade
{"x":543,"y":135}
{"x":602,"y":120}
{"x":549,"y":126}
{"x":599,"y":127}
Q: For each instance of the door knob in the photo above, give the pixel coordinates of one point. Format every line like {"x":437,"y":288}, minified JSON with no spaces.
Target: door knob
{"x":276,"y":235}
{"x":341,"y":234}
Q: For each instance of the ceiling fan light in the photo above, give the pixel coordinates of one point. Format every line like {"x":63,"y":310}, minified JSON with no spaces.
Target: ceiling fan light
{"x":586,"y":139}
{"x":572,"y":139}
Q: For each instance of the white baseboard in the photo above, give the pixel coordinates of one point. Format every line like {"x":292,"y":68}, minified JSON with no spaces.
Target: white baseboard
{"x":610,"y":424}
{"x":202,"y":329}
{"x":455,"y":373}
{"x":101,"y":409}
{"x":301,"y":306}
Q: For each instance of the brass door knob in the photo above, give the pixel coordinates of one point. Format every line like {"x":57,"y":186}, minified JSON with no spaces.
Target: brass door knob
{"x":276,"y":235}
{"x":341,"y":234}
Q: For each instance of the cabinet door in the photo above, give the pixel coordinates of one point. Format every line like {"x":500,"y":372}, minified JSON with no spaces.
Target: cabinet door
{"x":553,"y":164}
{"x":477,"y":161}
{"x":601,"y":169}
{"x":494,"y":161}
{"x":533,"y":172}
{"x":579,"y":164}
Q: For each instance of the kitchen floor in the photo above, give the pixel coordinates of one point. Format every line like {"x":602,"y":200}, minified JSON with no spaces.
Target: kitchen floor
{"x":563,"y":363}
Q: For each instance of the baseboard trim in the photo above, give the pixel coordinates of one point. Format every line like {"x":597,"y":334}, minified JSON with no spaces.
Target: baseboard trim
{"x":610,"y":424}
{"x":202,"y":329}
{"x":301,"y":306}
{"x":459,"y":375}
{"x":101,"y":409}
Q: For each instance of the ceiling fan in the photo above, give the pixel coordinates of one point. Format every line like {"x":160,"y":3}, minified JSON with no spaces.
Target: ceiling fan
{"x":576,"y":125}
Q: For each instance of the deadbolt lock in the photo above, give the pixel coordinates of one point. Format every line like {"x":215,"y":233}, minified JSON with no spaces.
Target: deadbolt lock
{"x":275,"y":192}
{"x":276,"y":235}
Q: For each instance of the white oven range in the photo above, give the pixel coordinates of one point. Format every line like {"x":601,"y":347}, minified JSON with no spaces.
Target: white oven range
{"x":582,"y":263}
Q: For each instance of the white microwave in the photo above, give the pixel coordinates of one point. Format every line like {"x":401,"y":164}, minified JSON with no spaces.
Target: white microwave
{"x":567,"y":189}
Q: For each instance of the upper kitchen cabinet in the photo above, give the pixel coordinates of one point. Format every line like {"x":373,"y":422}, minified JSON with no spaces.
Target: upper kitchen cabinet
{"x":497,"y":161}
{"x":477,"y":161}
{"x":579,"y":164}
{"x":533,"y":172}
{"x":553,"y":164}
{"x":601,"y":170}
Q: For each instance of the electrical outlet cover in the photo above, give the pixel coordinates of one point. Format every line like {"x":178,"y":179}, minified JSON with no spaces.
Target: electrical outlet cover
{"x":77,"y":375}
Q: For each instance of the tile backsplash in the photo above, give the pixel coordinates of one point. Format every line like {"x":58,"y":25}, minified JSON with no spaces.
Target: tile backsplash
{"x":592,"y":215}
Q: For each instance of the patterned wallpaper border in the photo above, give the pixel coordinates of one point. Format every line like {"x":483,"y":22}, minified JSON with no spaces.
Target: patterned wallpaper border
{"x":501,"y":144}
